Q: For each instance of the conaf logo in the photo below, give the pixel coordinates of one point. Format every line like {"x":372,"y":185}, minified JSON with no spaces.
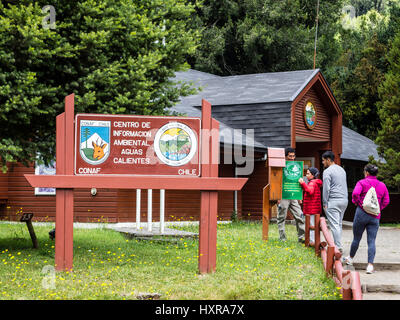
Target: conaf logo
{"x":94,"y":141}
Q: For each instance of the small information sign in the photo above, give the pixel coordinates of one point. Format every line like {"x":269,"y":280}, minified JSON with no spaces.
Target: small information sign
{"x":291,"y":188}
{"x":143,"y":145}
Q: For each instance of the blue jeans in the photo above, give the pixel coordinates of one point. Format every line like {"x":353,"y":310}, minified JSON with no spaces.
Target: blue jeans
{"x":361,"y":222}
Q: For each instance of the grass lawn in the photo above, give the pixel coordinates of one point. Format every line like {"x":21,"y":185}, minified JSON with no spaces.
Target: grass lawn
{"x":108,"y":266}
{"x":391,"y":225}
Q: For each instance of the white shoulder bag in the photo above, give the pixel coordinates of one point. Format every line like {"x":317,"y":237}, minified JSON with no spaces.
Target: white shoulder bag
{"x":370,"y":203}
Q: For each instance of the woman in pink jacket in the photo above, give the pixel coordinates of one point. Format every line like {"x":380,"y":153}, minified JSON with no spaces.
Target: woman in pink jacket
{"x":363,"y":220}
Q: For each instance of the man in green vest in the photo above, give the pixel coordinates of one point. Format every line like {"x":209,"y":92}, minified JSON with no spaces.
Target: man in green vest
{"x":293,"y":206}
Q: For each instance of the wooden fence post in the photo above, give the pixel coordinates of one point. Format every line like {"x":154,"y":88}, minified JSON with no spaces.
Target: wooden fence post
{"x":317,"y":234}
{"x":356,"y":292}
{"x":27,"y":217}
{"x":346,"y":284}
{"x":307,"y":231}
{"x":330,"y":259}
{"x":323,"y":257}
{"x":266,"y":210}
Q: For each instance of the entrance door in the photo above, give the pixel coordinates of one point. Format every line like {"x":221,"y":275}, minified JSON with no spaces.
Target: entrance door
{"x":308,"y":163}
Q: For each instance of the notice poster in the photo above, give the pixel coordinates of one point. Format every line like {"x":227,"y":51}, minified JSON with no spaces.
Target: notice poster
{"x":291,"y":188}
{"x":142,"y":145}
{"x":41,"y":169}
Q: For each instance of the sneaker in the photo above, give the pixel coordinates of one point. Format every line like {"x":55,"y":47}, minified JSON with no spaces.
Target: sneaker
{"x":348,"y":261}
{"x":370,"y":268}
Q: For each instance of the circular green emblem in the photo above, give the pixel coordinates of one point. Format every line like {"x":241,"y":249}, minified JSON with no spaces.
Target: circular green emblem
{"x":292,"y":171}
{"x":310,"y":115}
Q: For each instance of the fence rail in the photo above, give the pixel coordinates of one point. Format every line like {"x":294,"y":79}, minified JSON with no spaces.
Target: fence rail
{"x":347,"y":280}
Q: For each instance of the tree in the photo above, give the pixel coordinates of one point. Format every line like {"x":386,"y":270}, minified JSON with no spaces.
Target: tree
{"x":110,"y":53}
{"x":356,"y":89}
{"x":252,"y":36}
{"x":359,"y":71}
{"x":388,"y":139}
{"x":86,"y":134}
{"x":363,"y":6}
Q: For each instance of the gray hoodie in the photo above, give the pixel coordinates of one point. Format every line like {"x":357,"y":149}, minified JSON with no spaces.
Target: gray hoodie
{"x":334,"y":184}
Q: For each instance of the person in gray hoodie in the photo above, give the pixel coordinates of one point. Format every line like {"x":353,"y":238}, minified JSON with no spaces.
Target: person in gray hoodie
{"x":334,"y":196}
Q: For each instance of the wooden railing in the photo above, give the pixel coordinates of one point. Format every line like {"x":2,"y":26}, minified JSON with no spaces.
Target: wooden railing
{"x":347,"y":280}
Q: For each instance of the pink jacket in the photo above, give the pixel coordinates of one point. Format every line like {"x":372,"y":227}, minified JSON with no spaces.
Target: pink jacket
{"x":362,"y":188}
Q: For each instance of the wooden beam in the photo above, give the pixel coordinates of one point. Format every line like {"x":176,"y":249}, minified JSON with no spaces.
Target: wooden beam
{"x":136,"y":182}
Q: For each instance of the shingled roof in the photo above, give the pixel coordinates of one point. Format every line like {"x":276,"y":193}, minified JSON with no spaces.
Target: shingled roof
{"x":251,"y":101}
{"x":248,"y":102}
{"x":245,"y":89}
{"x":357,"y":146}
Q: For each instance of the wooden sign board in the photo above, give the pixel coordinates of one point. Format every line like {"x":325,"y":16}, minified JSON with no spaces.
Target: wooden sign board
{"x":137,"y":145}
{"x":26,"y":217}
{"x":97,"y":167}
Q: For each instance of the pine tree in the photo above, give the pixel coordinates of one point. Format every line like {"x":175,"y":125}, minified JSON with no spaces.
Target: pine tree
{"x":116,"y":56}
{"x":388,"y":138}
{"x":252,"y":36}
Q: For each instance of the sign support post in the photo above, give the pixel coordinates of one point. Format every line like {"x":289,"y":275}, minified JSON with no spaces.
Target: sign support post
{"x":209,"y":199}
{"x":65,"y":197}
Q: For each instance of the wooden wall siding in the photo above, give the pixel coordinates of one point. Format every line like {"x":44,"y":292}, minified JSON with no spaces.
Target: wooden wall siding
{"x":390,"y":214}
{"x":109,"y":205}
{"x":322,"y":130}
{"x":21,"y":196}
{"x":180,"y":205}
{"x":252,"y":192}
{"x":90,"y":208}
{"x":3,"y":187}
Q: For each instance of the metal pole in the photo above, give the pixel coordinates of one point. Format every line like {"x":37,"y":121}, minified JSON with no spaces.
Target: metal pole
{"x":138,"y":198}
{"x":162,"y":209}
{"x":316,"y":35}
{"x":235,"y":195}
{"x":149,"y":208}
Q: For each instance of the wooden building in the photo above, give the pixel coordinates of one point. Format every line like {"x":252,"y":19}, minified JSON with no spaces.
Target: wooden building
{"x":283,"y":109}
